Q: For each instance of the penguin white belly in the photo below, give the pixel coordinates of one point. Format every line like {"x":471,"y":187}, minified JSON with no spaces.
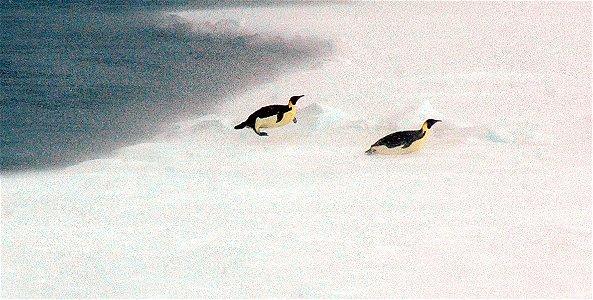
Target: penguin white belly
{"x":416,"y":145}
{"x":270,"y":122}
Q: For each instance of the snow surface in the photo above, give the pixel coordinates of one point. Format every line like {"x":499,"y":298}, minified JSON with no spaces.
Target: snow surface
{"x":498,"y":204}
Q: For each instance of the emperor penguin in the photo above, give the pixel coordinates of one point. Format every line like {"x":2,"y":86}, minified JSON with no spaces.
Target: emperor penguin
{"x":403,"y":142}
{"x":271,"y":116}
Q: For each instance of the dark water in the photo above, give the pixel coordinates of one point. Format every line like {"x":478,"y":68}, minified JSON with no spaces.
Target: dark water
{"x":80,"y":81}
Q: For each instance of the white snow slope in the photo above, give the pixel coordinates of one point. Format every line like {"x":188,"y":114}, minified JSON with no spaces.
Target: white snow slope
{"x":498,"y":204}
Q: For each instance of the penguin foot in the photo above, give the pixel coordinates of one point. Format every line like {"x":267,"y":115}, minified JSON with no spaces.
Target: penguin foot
{"x":294,"y":120}
{"x":262,"y":133}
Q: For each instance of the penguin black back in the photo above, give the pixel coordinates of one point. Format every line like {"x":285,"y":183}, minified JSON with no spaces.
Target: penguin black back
{"x":401,"y":138}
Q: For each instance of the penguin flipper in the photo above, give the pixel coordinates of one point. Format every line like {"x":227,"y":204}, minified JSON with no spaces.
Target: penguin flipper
{"x":406,"y":145}
{"x":389,"y":142}
{"x":410,"y":142}
{"x":260,"y":133}
{"x":279,"y":117}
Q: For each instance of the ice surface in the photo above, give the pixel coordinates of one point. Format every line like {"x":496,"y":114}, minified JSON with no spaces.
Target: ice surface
{"x":416,"y":118}
{"x":497,"y":205}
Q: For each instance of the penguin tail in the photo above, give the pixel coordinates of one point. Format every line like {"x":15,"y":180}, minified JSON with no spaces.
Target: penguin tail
{"x":241,"y":126}
{"x":370,"y":151}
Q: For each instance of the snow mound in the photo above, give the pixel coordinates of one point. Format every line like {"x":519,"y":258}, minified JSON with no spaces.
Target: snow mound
{"x":210,"y":122}
{"x":207,"y":123}
{"x":417,"y":117}
{"x":318,"y":116}
{"x":517,"y":133}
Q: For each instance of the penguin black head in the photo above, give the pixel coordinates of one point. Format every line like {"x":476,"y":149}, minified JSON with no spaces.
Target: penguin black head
{"x":431,"y":122}
{"x":293,"y":100}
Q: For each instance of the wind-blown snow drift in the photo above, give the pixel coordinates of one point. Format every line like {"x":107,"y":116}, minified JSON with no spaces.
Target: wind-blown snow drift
{"x":497,"y":205}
